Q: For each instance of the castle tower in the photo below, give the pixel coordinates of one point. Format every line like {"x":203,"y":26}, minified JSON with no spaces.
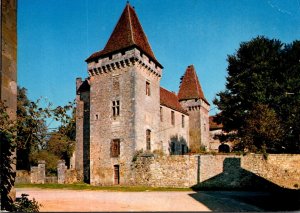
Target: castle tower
{"x":124,"y":101}
{"x":192,"y":99}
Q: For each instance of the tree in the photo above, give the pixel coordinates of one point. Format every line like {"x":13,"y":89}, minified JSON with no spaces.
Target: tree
{"x":7,"y":140}
{"x":262,"y":72}
{"x":31,"y":128}
{"x":262,"y":130}
{"x":61,"y":146}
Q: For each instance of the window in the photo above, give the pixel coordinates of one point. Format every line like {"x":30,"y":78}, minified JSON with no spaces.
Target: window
{"x":172,"y":118}
{"x":115,"y":148}
{"x":182,"y":121}
{"x":147,"y":88}
{"x":161,"y":114}
{"x":97,"y":117}
{"x":116,"y":108}
{"x":148,"y":139}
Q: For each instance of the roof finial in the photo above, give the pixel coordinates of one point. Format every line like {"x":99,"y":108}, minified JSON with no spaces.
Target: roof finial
{"x":127,"y":2}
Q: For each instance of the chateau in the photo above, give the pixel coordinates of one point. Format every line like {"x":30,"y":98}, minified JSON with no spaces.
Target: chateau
{"x":123,"y":110}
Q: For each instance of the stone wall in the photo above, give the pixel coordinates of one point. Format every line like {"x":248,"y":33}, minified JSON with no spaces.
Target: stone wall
{"x":228,"y":171}
{"x":176,"y":133}
{"x":165,"y":171}
{"x":22,"y":176}
{"x":38,"y":173}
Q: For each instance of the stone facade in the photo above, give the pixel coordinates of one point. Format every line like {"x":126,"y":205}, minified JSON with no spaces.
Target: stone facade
{"x":176,"y":133}
{"x":121,"y":108}
{"x":198,"y":123}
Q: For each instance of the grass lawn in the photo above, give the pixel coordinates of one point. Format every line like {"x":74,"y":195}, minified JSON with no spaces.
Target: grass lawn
{"x":84,"y":186}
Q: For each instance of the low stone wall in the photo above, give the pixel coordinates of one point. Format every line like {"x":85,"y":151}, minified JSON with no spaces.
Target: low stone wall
{"x":72,"y":176}
{"x":51,"y":179}
{"x":22,"y":176}
{"x":224,"y":171}
{"x":165,"y":171}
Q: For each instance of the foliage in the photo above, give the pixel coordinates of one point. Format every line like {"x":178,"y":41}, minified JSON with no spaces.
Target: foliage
{"x":263,"y":72}
{"x":262,"y":130}
{"x":50,"y":159}
{"x":33,"y":130}
{"x":61,"y":146}
{"x":137,"y":154}
{"x":23,"y":204}
{"x":7,"y":139}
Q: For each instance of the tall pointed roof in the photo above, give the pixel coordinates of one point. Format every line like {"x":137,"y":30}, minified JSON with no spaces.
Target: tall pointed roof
{"x":190,"y":87}
{"x":128,"y":33}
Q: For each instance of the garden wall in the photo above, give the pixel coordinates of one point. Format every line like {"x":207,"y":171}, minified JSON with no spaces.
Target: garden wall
{"x":226,"y":171}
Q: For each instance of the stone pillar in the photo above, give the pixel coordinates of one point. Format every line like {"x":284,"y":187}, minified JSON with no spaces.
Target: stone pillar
{"x":8,"y":69}
{"x":38,"y":173}
{"x":41,"y":171}
{"x":61,"y":172}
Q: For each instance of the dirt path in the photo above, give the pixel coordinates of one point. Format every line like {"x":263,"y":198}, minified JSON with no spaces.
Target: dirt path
{"x":74,"y":200}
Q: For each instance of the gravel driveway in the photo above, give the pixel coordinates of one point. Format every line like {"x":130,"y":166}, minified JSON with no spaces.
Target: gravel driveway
{"x":75,"y":200}
{"x":232,"y":201}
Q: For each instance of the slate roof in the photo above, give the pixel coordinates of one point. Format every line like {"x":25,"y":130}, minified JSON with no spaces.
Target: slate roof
{"x":128,"y":33}
{"x":170,"y":100}
{"x":190,"y":87}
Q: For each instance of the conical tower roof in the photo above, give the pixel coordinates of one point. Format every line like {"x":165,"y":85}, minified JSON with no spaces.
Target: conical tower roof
{"x":190,"y":87}
{"x":128,"y":33}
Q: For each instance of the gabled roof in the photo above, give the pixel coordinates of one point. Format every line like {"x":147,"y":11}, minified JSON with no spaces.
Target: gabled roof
{"x":170,"y":100}
{"x":190,"y":87}
{"x":128,"y":33}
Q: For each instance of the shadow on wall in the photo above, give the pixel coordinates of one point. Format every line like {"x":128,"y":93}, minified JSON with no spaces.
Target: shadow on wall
{"x":265,"y":195}
{"x":178,"y":146}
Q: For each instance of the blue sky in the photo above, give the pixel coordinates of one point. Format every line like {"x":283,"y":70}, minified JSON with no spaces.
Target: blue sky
{"x":56,"y":36}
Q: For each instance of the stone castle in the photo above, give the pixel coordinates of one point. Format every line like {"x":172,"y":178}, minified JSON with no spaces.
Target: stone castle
{"x":123,"y":110}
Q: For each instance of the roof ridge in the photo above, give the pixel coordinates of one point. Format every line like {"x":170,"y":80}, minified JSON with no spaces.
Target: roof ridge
{"x":130,"y":23}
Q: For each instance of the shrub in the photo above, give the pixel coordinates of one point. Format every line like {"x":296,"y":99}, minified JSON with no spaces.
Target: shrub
{"x":23,"y":204}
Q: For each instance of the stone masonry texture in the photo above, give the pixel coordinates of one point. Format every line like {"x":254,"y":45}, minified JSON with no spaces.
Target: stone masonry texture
{"x":8,"y":62}
{"x":251,"y":171}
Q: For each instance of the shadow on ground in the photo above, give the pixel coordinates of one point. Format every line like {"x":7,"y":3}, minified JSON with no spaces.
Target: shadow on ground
{"x":237,"y":189}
